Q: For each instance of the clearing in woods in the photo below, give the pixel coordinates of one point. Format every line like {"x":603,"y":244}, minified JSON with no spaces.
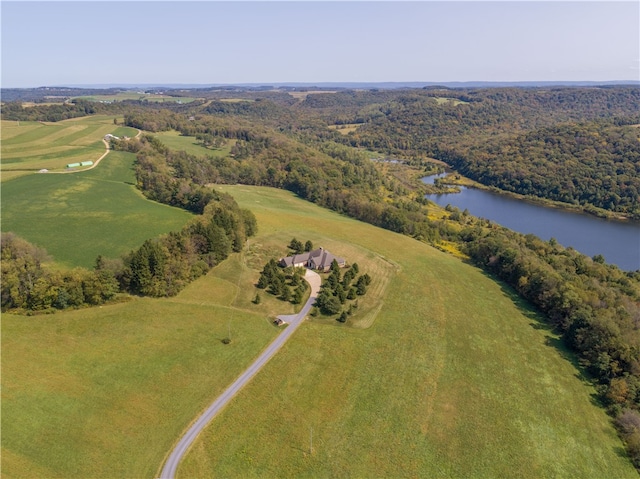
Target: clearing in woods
{"x":189,"y":144}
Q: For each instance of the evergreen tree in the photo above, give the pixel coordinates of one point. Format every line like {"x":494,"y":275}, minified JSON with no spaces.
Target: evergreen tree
{"x":296,"y":246}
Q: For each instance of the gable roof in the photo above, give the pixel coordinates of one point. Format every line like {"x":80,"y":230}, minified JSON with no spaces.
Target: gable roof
{"x":320,"y":258}
{"x":295,"y":259}
{"x":323,"y":259}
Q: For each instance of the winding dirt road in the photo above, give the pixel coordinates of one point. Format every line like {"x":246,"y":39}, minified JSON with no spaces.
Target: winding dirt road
{"x":294,"y":320}
{"x":106,"y":145}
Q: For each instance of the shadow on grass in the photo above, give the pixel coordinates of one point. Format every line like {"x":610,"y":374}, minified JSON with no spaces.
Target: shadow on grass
{"x":552,"y":339}
{"x":539,"y":322}
{"x":621,"y":452}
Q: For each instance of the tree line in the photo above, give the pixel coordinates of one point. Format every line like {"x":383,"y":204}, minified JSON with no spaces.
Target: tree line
{"x":73,"y":109}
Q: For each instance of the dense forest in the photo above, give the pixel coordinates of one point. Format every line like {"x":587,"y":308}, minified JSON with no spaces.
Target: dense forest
{"x":575,"y":145}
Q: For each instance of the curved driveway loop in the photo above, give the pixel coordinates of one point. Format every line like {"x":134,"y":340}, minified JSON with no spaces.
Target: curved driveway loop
{"x":294,"y":320}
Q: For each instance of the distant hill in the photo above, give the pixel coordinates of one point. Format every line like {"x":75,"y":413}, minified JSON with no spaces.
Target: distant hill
{"x":62,"y":92}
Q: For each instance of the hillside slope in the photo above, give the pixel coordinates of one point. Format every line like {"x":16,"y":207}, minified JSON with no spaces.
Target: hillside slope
{"x":456,"y":378}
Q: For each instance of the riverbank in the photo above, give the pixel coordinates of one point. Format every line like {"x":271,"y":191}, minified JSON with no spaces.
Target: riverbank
{"x":453,"y":181}
{"x":617,"y":241}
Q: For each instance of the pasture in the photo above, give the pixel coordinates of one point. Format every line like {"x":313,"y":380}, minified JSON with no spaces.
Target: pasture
{"x":455,"y":378}
{"x":448,"y":375}
{"x":174,"y":140}
{"x":28,"y":147}
{"x":78,"y":216}
{"x":104,"y":392}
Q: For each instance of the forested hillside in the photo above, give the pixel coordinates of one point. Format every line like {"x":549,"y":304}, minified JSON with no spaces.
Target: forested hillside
{"x":587,"y":164}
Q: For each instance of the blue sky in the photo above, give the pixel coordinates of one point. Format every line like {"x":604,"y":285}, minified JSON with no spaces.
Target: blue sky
{"x":59,"y":43}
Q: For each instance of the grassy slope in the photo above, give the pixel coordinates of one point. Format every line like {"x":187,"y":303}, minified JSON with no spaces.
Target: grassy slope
{"x":30,"y":146}
{"x":175,"y":141}
{"x":104,"y":392}
{"x":452,"y":379}
{"x":455,"y":378}
{"x":78,"y":216}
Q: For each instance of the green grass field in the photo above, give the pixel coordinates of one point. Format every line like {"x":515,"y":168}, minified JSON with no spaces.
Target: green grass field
{"x":446,"y":375}
{"x":104,"y":392}
{"x":175,"y":141}
{"x":455,"y":378}
{"x":78,"y":216}
{"x":28,"y":147}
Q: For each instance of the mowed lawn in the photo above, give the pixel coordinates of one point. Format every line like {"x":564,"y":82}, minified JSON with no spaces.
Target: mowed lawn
{"x":78,"y":216}
{"x":454,"y":378}
{"x":28,"y":147}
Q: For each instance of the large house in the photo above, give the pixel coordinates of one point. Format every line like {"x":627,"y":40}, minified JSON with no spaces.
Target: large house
{"x":319,"y":259}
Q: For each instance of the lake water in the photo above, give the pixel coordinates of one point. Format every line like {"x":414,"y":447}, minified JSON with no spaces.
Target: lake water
{"x":618,"y":242}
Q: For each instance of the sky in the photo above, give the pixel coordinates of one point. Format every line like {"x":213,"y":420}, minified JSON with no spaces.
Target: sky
{"x":89,"y":42}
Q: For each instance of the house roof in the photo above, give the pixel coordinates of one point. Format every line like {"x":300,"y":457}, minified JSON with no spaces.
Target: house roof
{"x":296,"y":259}
{"x":324,"y":259}
{"x":321,"y":259}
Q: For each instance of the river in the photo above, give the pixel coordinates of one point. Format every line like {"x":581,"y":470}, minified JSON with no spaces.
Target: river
{"x":618,"y":242}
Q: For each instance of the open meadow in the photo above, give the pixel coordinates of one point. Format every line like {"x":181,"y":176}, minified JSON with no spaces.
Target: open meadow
{"x":78,"y":216}
{"x":28,"y":147}
{"x":442,"y":372}
{"x":104,"y":392}
{"x":174,"y":140}
{"x":456,"y":377}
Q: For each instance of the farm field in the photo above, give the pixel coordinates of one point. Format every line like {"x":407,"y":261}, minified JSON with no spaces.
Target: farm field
{"x":175,"y":141}
{"x":456,"y":377}
{"x":78,"y":216}
{"x":28,"y":147}
{"x":138,"y":96}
